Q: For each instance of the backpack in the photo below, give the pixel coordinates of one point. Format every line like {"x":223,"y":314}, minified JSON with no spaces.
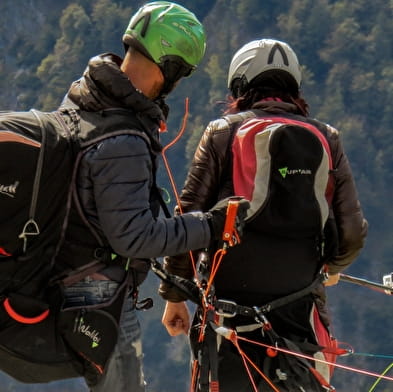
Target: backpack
{"x":283,"y":165}
{"x":40,"y":341}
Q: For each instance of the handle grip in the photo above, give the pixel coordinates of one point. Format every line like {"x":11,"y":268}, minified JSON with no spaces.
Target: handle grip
{"x":22,"y":319}
{"x":230,"y":234}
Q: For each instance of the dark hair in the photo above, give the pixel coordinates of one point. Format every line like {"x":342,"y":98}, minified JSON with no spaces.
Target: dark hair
{"x":269,"y":84}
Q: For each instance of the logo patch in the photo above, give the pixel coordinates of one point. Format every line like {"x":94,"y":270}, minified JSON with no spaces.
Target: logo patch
{"x":92,"y":334}
{"x":284,"y":171}
{"x":9,"y":190}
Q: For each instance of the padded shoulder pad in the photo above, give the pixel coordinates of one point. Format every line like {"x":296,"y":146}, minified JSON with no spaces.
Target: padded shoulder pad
{"x":226,"y":121}
{"x":219,"y":124}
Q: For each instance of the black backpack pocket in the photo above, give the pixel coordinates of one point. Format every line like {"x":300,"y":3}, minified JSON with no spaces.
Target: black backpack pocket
{"x":91,"y":334}
{"x":31,"y":349}
{"x":92,"y":331}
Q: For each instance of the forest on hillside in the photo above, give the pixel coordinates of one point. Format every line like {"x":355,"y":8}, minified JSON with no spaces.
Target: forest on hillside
{"x":346,"y":51}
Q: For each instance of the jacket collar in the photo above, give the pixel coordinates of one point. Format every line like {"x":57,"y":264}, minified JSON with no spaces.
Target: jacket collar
{"x":273,"y":106}
{"x":103,"y":86}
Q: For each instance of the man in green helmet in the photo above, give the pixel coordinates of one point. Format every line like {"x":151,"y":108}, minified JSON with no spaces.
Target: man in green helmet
{"x":115,"y":183}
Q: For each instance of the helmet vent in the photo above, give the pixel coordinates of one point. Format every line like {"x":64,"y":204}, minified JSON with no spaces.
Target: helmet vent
{"x":146,"y":20}
{"x":145,"y":25}
{"x":281,"y":50}
{"x":165,"y":43}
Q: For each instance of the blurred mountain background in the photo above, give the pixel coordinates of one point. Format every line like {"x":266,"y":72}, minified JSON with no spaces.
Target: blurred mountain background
{"x":346,"y":50}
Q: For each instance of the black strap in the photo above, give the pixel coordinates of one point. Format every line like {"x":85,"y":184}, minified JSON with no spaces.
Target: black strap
{"x":186,"y":286}
{"x":31,"y":227}
{"x":208,"y":357}
{"x":227,"y":308}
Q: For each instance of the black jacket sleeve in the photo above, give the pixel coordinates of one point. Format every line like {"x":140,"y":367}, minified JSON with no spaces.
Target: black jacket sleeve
{"x":115,"y":182}
{"x":351,"y":224}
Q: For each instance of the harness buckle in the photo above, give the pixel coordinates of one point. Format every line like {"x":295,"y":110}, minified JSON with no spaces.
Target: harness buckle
{"x":225,"y":308}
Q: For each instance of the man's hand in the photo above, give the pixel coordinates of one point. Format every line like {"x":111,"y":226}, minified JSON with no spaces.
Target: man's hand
{"x":217,"y":216}
{"x":176,"y":318}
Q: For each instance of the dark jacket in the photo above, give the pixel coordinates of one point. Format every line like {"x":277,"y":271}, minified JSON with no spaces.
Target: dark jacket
{"x":115,"y":182}
{"x":209,"y":179}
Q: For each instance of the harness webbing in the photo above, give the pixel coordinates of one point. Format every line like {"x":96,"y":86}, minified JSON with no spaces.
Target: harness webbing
{"x":230,"y":308}
{"x":210,"y":329}
{"x":31,"y":227}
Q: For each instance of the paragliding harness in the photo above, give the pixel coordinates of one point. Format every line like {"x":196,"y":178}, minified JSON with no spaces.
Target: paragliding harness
{"x":282,"y":140}
{"x":40,"y":341}
{"x":200,"y":291}
{"x":284,"y":368}
{"x":294,"y":368}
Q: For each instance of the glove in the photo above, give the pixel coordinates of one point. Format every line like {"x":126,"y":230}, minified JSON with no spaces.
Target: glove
{"x":217,"y":215}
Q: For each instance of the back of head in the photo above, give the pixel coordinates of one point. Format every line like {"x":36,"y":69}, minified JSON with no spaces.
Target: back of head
{"x":171,"y":36}
{"x":262,"y":60}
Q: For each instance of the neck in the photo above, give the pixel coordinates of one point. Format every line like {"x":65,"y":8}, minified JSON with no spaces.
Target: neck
{"x":143,"y":73}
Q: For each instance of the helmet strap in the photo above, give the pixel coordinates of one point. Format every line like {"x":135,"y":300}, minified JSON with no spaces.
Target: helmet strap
{"x":173,"y":68}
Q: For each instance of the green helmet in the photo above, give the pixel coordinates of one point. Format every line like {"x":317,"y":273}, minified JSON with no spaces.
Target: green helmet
{"x":169,"y":35}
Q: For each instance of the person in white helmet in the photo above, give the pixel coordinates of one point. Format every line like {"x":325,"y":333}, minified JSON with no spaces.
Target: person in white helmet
{"x":265,"y":74}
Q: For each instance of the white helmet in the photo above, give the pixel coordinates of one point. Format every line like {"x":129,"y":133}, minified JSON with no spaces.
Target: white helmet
{"x":260,"y":56}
